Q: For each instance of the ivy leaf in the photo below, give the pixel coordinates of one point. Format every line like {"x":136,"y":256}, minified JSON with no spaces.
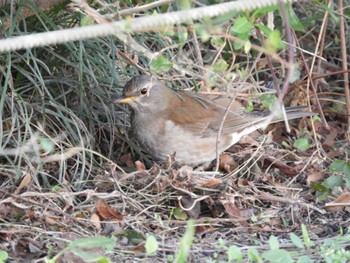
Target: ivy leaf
{"x":296,"y":240}
{"x":241,"y":25}
{"x":346,"y":171}
{"x":301,"y":144}
{"x":234,"y":253}
{"x":294,"y":20}
{"x":333,"y":181}
{"x":160,"y":64}
{"x":278,"y":256}
{"x":220,"y":66}
{"x":337,"y":166}
{"x":274,"y":244}
{"x":274,"y":41}
{"x":267,"y":100}
{"x":151,"y":245}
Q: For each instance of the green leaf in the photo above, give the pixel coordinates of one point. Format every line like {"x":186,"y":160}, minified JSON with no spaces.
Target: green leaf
{"x":234,"y":253}
{"x":170,"y":258}
{"x":134,"y":237}
{"x":285,"y":144}
{"x":86,"y":255}
{"x":179,"y":214}
{"x":273,"y":241}
{"x":184,"y":4}
{"x":151,"y":245}
{"x":186,"y":243}
{"x":295,"y":74}
{"x":267,"y":100}
{"x":221,"y":243}
{"x":337,"y":166}
{"x":301,"y":144}
{"x":250,"y":106}
{"x":274,"y":41}
{"x":296,"y":240}
{"x":182,"y":35}
{"x":3,"y":256}
{"x":202,"y":32}
{"x":217,"y":41}
{"x":307,"y":241}
{"x":318,"y":187}
{"x":293,"y":19}
{"x":346,"y":171}
{"x":266,"y":31}
{"x":333,"y":181}
{"x":305,"y":259}
{"x":103,"y":260}
{"x":253,"y":254}
{"x":247,"y":47}
{"x":241,"y":25}
{"x":223,"y":18}
{"x":244,"y":37}
{"x":278,"y":256}
{"x":220,"y":66}
{"x":92,"y":242}
{"x":160,"y":64}
{"x":47,"y":145}
{"x":87,"y":21}
{"x":264,"y":10}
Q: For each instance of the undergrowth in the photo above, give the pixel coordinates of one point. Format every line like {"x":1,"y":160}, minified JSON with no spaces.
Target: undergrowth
{"x":76,"y":186}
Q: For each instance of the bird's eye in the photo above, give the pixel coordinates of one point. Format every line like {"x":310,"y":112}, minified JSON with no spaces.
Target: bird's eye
{"x":144,"y":91}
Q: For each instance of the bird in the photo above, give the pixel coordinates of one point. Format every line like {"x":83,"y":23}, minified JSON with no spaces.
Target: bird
{"x":190,"y":125}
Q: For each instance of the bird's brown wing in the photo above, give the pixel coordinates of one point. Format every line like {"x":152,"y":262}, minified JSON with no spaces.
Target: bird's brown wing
{"x":203,"y":114}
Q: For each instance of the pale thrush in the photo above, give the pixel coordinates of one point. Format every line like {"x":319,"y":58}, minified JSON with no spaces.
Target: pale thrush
{"x":167,"y":121}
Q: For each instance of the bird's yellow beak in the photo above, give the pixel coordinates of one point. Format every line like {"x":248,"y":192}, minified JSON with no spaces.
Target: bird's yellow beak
{"x":125,"y":100}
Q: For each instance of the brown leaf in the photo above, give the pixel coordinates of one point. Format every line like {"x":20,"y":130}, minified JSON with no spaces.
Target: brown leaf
{"x":29,"y":215}
{"x":140,"y":166}
{"x":338,"y":204}
{"x":282,"y":166}
{"x":249,"y":139}
{"x":107,"y":212}
{"x":127,"y":159}
{"x":212,"y":183}
{"x":315,"y":177}
{"x":201,"y":229}
{"x":95,"y":220}
{"x":163,"y":183}
{"x":4,"y":210}
{"x":24,"y":183}
{"x":329,"y":140}
{"x":139,"y":249}
{"x":51,"y":220}
{"x":227,"y":163}
{"x":231,"y":208}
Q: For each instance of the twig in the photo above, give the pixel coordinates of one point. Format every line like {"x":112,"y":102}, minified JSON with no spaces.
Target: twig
{"x":344,"y":61}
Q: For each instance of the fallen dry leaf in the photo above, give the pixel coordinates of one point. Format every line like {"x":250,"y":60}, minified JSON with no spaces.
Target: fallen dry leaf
{"x":212,"y":183}
{"x":107,"y":212}
{"x":315,"y":177}
{"x":338,"y":204}
{"x":140,"y":166}
{"x":139,"y":249}
{"x":95,"y":220}
{"x":231,"y":209}
{"x":126,"y":159}
{"x":51,"y":220}
{"x":227,"y":163}
{"x":288,"y":170}
{"x":24,"y":183}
